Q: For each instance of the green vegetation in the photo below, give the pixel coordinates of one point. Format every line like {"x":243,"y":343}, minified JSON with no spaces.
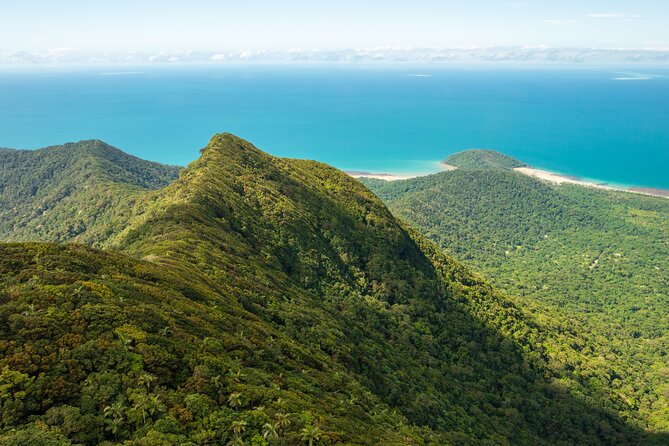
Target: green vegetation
{"x":595,"y":256}
{"x":479,"y":159}
{"x":266,"y":301}
{"x":59,"y":192}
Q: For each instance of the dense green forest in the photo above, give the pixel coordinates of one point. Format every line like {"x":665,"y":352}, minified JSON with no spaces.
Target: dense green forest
{"x":480,"y":159}
{"x":58,"y":192}
{"x":259,"y":300}
{"x":600,"y":257}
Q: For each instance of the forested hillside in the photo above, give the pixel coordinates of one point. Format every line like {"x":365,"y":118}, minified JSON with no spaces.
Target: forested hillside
{"x":480,"y":159}
{"x":58,"y":192}
{"x":259,"y":300}
{"x":600,"y":257}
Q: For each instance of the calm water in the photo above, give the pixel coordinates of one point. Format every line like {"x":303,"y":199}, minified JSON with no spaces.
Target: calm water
{"x":401,"y":120}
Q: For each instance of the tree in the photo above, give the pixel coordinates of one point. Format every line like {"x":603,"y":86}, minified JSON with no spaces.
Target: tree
{"x":282,"y":420}
{"x":115,"y":413}
{"x":235,"y":400}
{"x":269,"y":431}
{"x":146,"y":379}
{"x":311,"y":433}
{"x":239,"y":427}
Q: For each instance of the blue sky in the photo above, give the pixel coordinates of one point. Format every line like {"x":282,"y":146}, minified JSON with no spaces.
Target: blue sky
{"x":168,"y":25}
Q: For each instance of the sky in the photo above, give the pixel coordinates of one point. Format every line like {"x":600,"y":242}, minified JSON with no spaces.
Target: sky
{"x":168,"y":25}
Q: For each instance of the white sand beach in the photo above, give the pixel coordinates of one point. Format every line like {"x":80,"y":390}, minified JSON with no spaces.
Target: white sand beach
{"x":544,"y":175}
{"x":380,"y":176}
{"x":557,"y":178}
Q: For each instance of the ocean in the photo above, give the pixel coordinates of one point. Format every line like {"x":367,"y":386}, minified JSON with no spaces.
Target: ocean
{"x":606,"y":124}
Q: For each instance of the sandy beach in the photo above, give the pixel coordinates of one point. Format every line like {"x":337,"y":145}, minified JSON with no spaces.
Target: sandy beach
{"x":557,"y":178}
{"x":544,"y":175}
{"x":380,"y":176}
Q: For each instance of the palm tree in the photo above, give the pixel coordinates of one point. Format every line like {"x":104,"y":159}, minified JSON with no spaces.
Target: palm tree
{"x":154,"y":405}
{"x":282,"y":420}
{"x":145,"y":379}
{"x":115,"y":410}
{"x":269,"y":431}
{"x":239,"y":426}
{"x":141,"y":406}
{"x":235,"y":400}
{"x":311,"y":433}
{"x":237,"y":441}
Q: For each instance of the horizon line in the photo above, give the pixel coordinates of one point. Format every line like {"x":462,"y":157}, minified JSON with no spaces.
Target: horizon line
{"x":431,"y":55}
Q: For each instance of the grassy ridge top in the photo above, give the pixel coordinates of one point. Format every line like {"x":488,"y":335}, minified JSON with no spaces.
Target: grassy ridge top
{"x":478,"y":159}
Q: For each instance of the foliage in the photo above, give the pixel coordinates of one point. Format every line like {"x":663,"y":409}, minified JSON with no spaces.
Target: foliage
{"x":480,"y":159}
{"x":259,"y":300}
{"x":59,"y":193}
{"x":568,"y":252}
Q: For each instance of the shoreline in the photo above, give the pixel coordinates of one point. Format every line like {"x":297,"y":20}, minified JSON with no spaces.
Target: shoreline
{"x":381,"y":176}
{"x":540,"y":174}
{"x":559,"y":179}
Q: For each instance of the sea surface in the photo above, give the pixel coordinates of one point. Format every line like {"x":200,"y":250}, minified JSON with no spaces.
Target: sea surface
{"x":606,"y":124}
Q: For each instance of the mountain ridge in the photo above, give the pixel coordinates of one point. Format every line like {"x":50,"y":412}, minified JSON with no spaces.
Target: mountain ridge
{"x":312,"y":286}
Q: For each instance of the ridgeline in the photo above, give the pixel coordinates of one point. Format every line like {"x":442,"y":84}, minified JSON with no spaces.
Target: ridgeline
{"x":260,"y":300}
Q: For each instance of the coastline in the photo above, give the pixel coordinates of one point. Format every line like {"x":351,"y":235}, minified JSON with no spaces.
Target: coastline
{"x":380,"y":176}
{"x":559,"y":179}
{"x":540,"y":174}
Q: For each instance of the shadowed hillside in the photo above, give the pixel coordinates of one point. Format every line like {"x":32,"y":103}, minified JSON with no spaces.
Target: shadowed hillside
{"x":595,"y":256}
{"x":272,"y":301}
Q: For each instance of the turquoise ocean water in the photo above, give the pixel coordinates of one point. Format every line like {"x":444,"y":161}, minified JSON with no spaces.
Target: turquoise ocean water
{"x":610,"y":124}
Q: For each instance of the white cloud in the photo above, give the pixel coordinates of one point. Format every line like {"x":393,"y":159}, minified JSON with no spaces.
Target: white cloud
{"x":651,"y":52}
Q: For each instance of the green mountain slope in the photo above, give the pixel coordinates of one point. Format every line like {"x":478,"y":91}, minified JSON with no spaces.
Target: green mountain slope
{"x":57,"y":193}
{"x":255,"y":287}
{"x":596,"y":256}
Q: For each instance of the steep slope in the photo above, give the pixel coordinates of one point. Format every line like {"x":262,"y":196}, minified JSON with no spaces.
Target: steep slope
{"x":596,"y":256}
{"x":284,"y":286}
{"x":102,"y":347}
{"x":58,"y":192}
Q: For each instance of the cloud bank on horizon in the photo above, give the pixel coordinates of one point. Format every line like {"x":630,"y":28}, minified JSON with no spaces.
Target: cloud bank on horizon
{"x":71,"y":56}
{"x":105,"y":31}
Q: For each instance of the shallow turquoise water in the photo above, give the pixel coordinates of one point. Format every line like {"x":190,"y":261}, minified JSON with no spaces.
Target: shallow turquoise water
{"x":405,"y":119}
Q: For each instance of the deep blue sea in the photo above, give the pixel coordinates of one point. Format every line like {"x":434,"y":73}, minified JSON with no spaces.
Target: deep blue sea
{"x":609,"y":124}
